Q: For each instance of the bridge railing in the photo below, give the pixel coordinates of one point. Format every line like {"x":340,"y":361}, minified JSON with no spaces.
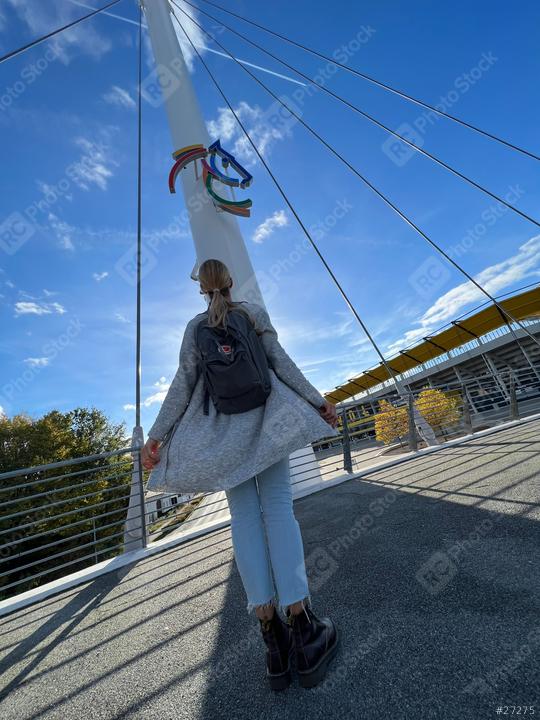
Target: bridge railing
{"x":433,"y":414}
{"x":63,"y":517}
{"x":60,"y":517}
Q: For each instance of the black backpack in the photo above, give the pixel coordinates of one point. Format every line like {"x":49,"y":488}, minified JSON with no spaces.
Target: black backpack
{"x":233,"y":364}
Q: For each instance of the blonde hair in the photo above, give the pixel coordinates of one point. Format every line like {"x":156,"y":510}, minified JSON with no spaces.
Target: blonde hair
{"x":215,"y":280}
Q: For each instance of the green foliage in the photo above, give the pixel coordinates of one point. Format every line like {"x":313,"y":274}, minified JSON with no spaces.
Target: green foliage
{"x":48,"y":507}
{"x":56,"y":436}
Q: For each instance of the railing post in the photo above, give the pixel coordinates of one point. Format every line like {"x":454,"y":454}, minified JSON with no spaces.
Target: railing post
{"x":514,"y":410}
{"x":425,"y":430}
{"x":135,"y":533}
{"x":347,"y":459}
{"x":413,"y":441}
{"x":467,"y":422}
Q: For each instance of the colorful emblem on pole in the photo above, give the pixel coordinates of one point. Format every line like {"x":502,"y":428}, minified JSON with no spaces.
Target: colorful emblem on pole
{"x":211,"y":172}
{"x":183,"y":157}
{"x":226,"y":160}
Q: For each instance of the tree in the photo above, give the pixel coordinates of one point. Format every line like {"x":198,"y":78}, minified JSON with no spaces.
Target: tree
{"x":60,"y":510}
{"x":25,"y":441}
{"x":438,"y":408}
{"x":391,"y":422}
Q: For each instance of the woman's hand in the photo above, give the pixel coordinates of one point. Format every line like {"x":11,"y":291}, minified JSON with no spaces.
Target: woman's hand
{"x":328,"y":413}
{"x":150,"y":454}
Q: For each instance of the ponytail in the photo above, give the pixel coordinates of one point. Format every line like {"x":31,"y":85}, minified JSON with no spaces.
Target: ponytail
{"x":215,"y":280}
{"x":218,"y":308}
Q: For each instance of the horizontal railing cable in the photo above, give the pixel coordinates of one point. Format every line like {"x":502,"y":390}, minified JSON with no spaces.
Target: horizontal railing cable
{"x":65,"y":463}
{"x":67,"y":501}
{"x":64,"y":514}
{"x":65,"y":527}
{"x":46,"y":493}
{"x":41,"y":481}
{"x":57,"y":555}
{"x":495,"y":406}
{"x":69,"y":538}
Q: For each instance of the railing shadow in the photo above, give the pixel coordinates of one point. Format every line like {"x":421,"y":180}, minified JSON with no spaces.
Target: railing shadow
{"x":436,"y":597}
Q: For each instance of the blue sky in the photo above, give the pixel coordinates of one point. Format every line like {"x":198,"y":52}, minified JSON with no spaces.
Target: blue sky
{"x":68,"y":204}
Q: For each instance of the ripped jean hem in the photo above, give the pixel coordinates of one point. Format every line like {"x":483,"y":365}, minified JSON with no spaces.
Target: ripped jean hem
{"x":275,"y":602}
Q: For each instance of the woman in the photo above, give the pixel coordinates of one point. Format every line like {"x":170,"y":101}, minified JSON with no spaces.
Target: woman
{"x":246,"y":455}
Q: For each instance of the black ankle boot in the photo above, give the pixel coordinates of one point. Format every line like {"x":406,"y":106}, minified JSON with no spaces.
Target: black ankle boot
{"x":315,"y":644}
{"x":279,"y":651}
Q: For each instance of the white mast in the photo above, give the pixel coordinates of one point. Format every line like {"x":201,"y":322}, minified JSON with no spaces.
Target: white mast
{"x":215,"y":234}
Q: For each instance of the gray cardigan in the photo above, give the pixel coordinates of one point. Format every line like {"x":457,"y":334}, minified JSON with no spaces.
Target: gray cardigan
{"x":217,"y":451}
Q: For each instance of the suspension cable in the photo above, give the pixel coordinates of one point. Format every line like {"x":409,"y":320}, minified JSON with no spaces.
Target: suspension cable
{"x":369,"y":117}
{"x":22,"y":49}
{"x":139,"y":229}
{"x":379,"y":83}
{"x":383,"y":197}
{"x":306,"y":232}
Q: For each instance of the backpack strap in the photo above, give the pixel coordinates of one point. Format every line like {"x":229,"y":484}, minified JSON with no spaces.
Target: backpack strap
{"x":240,"y":323}
{"x":206,"y":400}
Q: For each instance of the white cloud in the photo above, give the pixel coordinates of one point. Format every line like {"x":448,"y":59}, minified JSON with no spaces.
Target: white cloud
{"x":224,"y":126}
{"x":156,"y":238}
{"x":2,"y":412}
{"x":302,"y":333}
{"x":326,"y":368}
{"x":63,"y":231}
{"x":31,"y":308}
{"x":94,"y":167}
{"x":57,"y":308}
{"x":121,"y":318}
{"x":98,"y":277}
{"x":35,"y":308}
{"x":50,"y":192}
{"x":119,"y":97}
{"x":95,"y":238}
{"x":262,"y":132}
{"x":266,"y":228}
{"x":37,"y":362}
{"x":494,"y":278}
{"x":83,"y":39}
{"x":157,"y":397}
